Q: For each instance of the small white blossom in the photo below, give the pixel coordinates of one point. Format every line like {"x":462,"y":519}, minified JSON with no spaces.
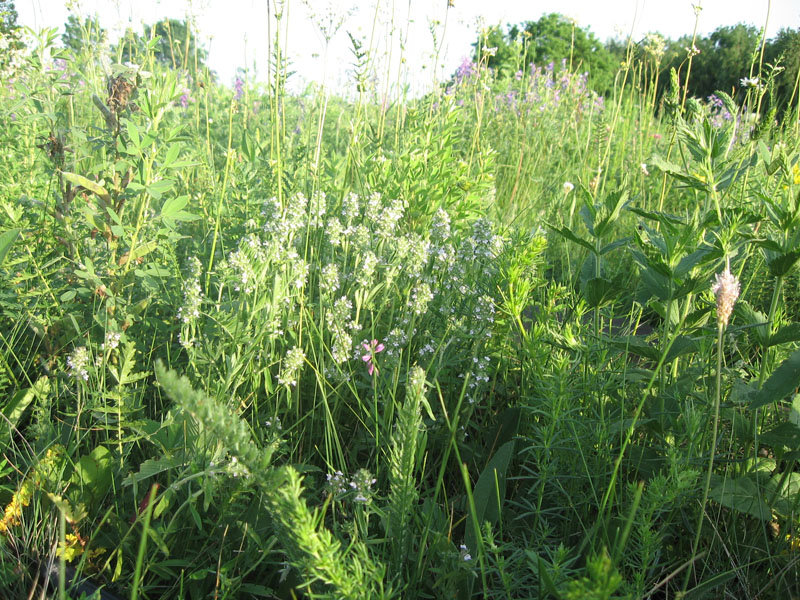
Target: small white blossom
{"x":726,"y":289}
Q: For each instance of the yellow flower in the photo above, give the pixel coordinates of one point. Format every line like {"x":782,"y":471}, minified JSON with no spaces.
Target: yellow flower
{"x":70,"y":548}
{"x":794,"y":542}
{"x":796,"y":174}
{"x":13,"y":513}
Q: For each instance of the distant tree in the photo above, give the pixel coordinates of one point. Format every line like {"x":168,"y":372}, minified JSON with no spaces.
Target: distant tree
{"x":496,"y":50}
{"x":76,"y":35}
{"x":176,"y":46}
{"x":553,"y":38}
{"x":723,"y":58}
{"x":8,"y":17}
{"x":785,"y":47}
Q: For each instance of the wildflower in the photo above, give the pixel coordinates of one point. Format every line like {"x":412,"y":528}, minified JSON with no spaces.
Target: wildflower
{"x":643,"y":167}
{"x":336,"y":483}
{"x":239,"y":88}
{"x":112,"y":340}
{"x":466,"y":70}
{"x":726,"y":289}
{"x":292,"y":363}
{"x":372,"y":349}
{"x":463,"y":552}
{"x":13,"y":512}
{"x":78,"y":362}
{"x":421,"y":296}
{"x":70,"y":548}
{"x":750,"y":82}
{"x":329,"y":281}
{"x":362,"y":483}
{"x":692,"y":51}
{"x":568,"y":187}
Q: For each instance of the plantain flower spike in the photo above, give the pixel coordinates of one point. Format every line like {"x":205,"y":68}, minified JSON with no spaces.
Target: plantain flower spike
{"x":726,"y":289}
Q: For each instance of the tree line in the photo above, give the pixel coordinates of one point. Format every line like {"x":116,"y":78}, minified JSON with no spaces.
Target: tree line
{"x":731,"y":59}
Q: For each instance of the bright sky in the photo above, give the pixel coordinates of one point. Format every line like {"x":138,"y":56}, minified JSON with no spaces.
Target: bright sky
{"x":236,"y":31}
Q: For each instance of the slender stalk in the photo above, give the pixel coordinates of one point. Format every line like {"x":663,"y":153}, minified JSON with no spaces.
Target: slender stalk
{"x":221,"y":199}
{"x":62,"y":563}
{"x":707,"y":484}
{"x":143,"y":543}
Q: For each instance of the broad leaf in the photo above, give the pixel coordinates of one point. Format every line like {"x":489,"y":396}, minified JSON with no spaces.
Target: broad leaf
{"x":741,"y":495}
{"x":781,"y":383}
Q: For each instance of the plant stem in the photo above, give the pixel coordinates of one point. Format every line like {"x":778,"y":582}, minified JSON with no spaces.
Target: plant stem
{"x":707,"y":484}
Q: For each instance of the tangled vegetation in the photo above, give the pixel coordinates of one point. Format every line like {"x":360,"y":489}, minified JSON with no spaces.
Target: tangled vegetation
{"x":512,"y":339}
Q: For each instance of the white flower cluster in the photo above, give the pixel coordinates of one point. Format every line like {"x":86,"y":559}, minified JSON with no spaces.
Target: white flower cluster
{"x":360,"y":485}
{"x":192,"y":299}
{"x":112,"y":340}
{"x":292,"y":365}
{"x":78,"y":363}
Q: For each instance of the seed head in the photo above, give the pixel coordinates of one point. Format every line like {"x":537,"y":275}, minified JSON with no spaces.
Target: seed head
{"x":726,"y":289}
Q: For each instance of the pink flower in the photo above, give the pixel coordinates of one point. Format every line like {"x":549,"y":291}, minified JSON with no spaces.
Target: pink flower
{"x":372,"y":349}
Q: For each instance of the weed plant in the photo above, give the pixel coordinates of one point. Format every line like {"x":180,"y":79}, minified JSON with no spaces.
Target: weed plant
{"x":482,"y":343}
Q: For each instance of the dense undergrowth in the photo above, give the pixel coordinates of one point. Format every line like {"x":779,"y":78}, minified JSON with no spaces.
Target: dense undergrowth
{"x":470,"y":345}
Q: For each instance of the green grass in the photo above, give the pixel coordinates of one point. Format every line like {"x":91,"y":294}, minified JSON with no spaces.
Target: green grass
{"x":293,"y":346}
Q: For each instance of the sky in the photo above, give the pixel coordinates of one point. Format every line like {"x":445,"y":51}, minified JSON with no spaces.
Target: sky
{"x":429,"y":37}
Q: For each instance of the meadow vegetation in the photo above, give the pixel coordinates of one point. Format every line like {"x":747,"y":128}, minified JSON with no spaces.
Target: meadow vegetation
{"x":522,"y":337}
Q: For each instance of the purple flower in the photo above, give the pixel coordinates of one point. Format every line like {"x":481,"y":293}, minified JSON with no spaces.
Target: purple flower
{"x":466,"y":70}
{"x":185,"y":98}
{"x":238,"y":86}
{"x":372,"y":349}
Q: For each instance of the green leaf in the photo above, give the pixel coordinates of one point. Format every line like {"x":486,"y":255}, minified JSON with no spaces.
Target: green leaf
{"x":490,"y":488}
{"x":7,"y":239}
{"x":682,"y":345}
{"x":133,"y":135}
{"x":637,"y":345}
{"x":15,"y":407}
{"x":172,"y":154}
{"x":614,"y":245}
{"x":152,"y":271}
{"x":97,"y":189}
{"x":73,"y":514}
{"x":93,"y":473}
{"x":567,"y":233}
{"x":160,"y":187}
{"x":150,"y":468}
{"x":742,"y":495}
{"x":754,"y":320}
{"x":787,"y":333}
{"x":613,"y":205}
{"x":143,"y":249}
{"x":172,"y":206}
{"x":781,"y":383}
{"x":597,"y":291}
{"x":784,"y":436}
{"x":783,"y":263}
{"x":183,"y":215}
